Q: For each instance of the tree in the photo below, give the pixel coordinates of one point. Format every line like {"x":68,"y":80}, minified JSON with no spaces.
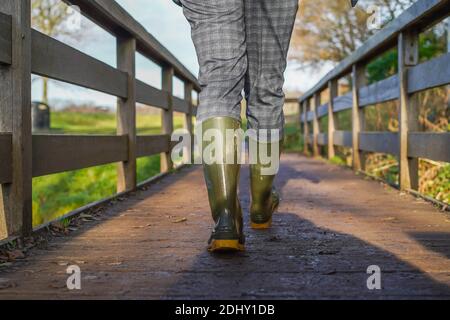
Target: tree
{"x":328,"y":31}
{"x":50,"y":17}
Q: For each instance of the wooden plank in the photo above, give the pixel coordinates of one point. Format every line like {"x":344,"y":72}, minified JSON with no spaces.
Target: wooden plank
{"x":167,"y":116}
{"x":430,"y":74}
{"x":126,"y":114}
{"x":151,"y":96}
{"x":332,"y":93}
{"x":316,"y":128}
{"x":5,"y":38}
{"x":381,"y":91}
{"x":152,"y":145}
{"x":15,"y":117}
{"x":188,"y":153}
{"x":54,"y":59}
{"x":383,"y":142}
{"x":305,"y":105}
{"x":322,"y":110}
{"x":420,"y":15}
{"x":358,"y":80}
{"x":343,"y":139}
{"x":5,"y":157}
{"x":429,"y":145}
{"x":60,"y":153}
{"x":322,"y":139}
{"x":111,"y":16}
{"x":180,"y":105}
{"x":344,"y":102}
{"x":408,"y":116}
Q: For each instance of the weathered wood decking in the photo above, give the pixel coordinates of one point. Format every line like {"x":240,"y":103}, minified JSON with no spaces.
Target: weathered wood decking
{"x":330,"y":227}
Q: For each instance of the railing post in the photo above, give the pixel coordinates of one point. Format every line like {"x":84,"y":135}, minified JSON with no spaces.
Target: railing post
{"x":333,"y":92}
{"x":305,"y":127}
{"x":408,"y":55}
{"x":359,"y":80}
{"x":316,"y":130}
{"x":126,"y":113}
{"x":188,"y":154}
{"x":167,"y":115}
{"x":15,"y":117}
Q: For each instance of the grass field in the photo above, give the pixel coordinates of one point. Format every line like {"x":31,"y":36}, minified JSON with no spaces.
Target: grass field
{"x":57,"y":194}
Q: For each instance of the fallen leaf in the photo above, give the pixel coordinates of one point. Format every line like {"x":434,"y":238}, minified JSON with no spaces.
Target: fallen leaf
{"x":118,"y":263}
{"x":16,"y":255}
{"x":180,"y":220}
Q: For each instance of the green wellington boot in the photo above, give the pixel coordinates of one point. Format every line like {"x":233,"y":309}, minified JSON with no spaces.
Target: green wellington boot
{"x":222,"y":181}
{"x":265,"y":198}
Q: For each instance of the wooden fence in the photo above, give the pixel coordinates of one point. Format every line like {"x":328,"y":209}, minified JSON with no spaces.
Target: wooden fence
{"x":408,"y":144}
{"x":24,"y":51}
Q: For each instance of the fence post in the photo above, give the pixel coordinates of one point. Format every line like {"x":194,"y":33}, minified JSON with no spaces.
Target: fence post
{"x":15,"y":117}
{"x":126,"y":113}
{"x":333,"y":92}
{"x":408,"y":55}
{"x":316,"y":130}
{"x":188,"y":154}
{"x":359,"y":80}
{"x":305,"y":127}
{"x":167,"y":116}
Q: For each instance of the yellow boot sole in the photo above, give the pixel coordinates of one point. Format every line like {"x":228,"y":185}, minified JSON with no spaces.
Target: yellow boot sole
{"x":261,"y":226}
{"x":225,"y":245}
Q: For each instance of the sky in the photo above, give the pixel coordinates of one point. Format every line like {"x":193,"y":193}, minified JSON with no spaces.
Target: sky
{"x":165,"y":21}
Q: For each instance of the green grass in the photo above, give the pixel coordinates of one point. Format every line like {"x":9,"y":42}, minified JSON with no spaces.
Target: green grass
{"x":58,"y":194}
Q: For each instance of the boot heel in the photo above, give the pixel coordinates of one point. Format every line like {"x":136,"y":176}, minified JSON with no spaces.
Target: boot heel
{"x":261,"y":226}
{"x":225,"y":245}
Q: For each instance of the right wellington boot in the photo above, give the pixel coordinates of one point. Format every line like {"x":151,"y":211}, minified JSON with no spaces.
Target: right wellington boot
{"x":222,"y":181}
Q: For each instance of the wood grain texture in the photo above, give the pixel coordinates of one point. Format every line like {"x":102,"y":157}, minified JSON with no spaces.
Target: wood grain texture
{"x":152,"y":145}
{"x":383,"y":142}
{"x":408,"y":111}
{"x":111,"y":16}
{"x":420,"y":15}
{"x":430,"y":74}
{"x":429,"y":145}
{"x":167,"y":116}
{"x":330,"y":226}
{"x":151,"y":96}
{"x":381,"y":91}
{"x":60,"y":153}
{"x":343,"y":102}
{"x":333,"y":89}
{"x":15,"y":117}
{"x":126,"y":114}
{"x":5,"y":38}
{"x":5,"y":157}
{"x":59,"y":61}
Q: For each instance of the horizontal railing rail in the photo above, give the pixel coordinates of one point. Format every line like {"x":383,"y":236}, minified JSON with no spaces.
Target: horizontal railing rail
{"x":408,"y":144}
{"x":24,"y":51}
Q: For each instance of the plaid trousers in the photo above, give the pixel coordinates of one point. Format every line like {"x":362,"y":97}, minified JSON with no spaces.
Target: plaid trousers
{"x":242,"y":46}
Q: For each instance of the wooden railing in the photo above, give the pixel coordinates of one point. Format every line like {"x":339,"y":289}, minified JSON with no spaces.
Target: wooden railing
{"x":24,"y":51}
{"x":408,"y":144}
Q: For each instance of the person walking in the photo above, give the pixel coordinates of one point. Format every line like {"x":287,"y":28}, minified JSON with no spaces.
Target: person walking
{"x":242,"y":46}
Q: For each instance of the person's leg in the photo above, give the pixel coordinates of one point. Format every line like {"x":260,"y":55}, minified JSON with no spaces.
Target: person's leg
{"x":269,"y":26}
{"x":218,"y":32}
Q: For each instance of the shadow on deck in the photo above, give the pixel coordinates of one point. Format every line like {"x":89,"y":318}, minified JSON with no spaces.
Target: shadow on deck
{"x":330,"y":227}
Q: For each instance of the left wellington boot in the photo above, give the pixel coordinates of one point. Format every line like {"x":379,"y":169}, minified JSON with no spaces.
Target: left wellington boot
{"x":265,"y":198}
{"x":222,"y":181}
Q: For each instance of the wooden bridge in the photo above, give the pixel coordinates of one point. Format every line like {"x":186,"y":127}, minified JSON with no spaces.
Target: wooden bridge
{"x":149,"y":240}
